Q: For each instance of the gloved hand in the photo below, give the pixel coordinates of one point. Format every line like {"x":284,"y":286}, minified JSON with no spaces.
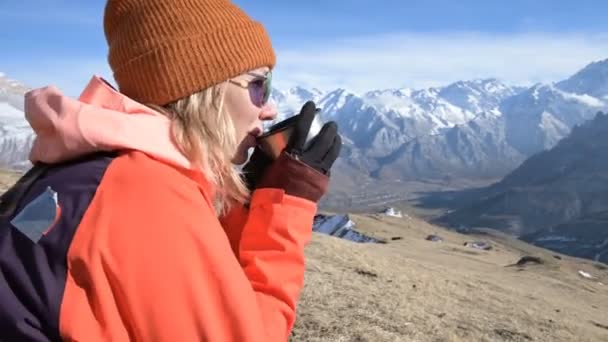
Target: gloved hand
{"x":323,"y":150}
{"x":301,"y":170}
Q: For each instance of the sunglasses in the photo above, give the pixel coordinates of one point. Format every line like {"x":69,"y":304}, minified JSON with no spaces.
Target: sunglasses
{"x":259,"y":87}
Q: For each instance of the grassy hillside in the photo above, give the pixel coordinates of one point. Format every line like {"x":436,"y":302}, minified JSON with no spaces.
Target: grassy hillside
{"x":7,"y":178}
{"x":416,"y":290}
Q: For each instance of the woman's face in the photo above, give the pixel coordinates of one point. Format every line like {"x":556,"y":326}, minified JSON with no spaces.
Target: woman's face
{"x":247,"y":115}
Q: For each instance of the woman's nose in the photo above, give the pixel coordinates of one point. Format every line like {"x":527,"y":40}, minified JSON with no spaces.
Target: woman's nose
{"x":269,"y":112}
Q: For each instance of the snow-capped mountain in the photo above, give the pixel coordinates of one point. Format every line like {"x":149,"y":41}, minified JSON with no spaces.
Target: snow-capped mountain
{"x":494,"y":141}
{"x":539,"y":117}
{"x":382,"y":121}
{"x":591,"y":80}
{"x":291,"y":101}
{"x":470,"y":129}
{"x":434,"y":108}
{"x":16,"y":135}
{"x":556,"y":199}
{"x":409,"y":134}
{"x":478,"y":95}
{"x":476,"y":148}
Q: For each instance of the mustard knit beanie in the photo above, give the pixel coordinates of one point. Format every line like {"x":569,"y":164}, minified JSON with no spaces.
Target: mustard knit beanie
{"x":164,"y":50}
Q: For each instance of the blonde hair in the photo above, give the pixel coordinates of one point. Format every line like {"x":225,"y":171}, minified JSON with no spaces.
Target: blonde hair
{"x":204,"y":132}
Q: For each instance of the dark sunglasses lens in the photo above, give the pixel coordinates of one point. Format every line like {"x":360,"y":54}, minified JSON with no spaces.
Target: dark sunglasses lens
{"x":260,"y":89}
{"x":256,"y":91}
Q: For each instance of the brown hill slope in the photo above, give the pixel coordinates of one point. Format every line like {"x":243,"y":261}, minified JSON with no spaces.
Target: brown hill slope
{"x":416,"y":290}
{"x":7,"y":178}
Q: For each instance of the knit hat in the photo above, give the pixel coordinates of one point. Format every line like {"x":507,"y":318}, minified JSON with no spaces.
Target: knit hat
{"x":164,"y":50}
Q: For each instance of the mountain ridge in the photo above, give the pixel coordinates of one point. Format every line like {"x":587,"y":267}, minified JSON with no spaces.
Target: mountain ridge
{"x":476,"y":129}
{"x":555,"y":193}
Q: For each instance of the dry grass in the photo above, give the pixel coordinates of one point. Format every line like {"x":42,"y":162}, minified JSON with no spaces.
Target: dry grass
{"x":7,"y":178}
{"x":416,"y":290}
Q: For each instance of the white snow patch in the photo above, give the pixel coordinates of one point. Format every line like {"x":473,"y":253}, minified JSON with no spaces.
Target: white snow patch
{"x":8,"y":111}
{"x":555,"y":238}
{"x":584,"y":99}
{"x":393,"y":212}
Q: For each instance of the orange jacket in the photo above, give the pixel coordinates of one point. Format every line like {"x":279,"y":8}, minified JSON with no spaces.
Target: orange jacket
{"x":147,"y":258}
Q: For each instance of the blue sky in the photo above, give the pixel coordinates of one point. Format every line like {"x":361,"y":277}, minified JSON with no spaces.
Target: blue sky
{"x":355,"y":44}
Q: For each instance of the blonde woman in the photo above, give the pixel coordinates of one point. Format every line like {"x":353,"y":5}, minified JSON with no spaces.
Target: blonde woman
{"x":134,"y":224}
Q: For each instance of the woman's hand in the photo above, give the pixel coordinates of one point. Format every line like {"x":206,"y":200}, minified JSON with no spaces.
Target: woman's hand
{"x":302,"y":169}
{"x":323,"y":150}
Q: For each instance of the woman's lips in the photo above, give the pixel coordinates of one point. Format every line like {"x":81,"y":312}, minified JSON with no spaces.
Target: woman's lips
{"x":256,"y":131}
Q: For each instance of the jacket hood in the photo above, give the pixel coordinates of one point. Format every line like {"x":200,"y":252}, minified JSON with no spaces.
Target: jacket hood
{"x":101,"y":119}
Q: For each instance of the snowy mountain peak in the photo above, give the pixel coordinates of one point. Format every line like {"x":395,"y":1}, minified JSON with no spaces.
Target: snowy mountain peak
{"x":539,"y":90}
{"x":536,"y":119}
{"x":336,"y":99}
{"x":405,"y":92}
{"x":545,"y":94}
{"x":426,"y":93}
{"x":477,"y":95}
{"x":16,"y":135}
{"x":305,"y":93}
{"x":11,"y":92}
{"x":8,"y":84}
{"x":290,"y":102}
{"x":592,"y":80}
{"x":484,"y":83}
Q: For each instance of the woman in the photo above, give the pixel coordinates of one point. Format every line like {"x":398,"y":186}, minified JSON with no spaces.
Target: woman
{"x":134,"y":224}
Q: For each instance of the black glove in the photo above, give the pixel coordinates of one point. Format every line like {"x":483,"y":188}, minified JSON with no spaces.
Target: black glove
{"x":323,"y":150}
{"x":300,"y":170}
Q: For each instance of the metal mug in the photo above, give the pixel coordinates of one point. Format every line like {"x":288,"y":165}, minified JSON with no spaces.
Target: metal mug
{"x":273,"y":141}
